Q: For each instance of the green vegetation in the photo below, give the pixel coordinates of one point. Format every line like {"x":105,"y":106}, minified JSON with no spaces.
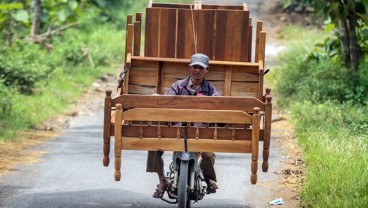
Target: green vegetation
{"x":39,"y":79}
{"x":328,"y":104}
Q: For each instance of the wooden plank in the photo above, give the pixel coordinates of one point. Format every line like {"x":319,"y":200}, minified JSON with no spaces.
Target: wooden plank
{"x":187,"y":115}
{"x":189,"y":102}
{"x":258,"y":31}
{"x":167,"y":31}
{"x":129,"y":41}
{"x":154,"y":144}
{"x":137,"y":39}
{"x":205,"y":31}
{"x":231,"y":35}
{"x":145,"y":81}
{"x":244,"y":87}
{"x":227,"y":87}
{"x":244,"y":94}
{"x":152,"y":34}
{"x":159,"y":78}
{"x":143,"y":72}
{"x":244,"y":77}
{"x":250,"y":40}
{"x":220,"y":35}
{"x":186,"y":61}
{"x":138,"y":17}
{"x":144,"y":63}
{"x":128,"y":21}
{"x":139,"y":89}
{"x":185,"y":36}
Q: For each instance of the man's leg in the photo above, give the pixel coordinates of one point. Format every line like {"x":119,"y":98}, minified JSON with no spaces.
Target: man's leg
{"x":208,"y":169}
{"x":156,"y":164}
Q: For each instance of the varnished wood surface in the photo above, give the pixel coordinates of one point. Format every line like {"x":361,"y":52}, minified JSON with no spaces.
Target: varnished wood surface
{"x":245,"y":104}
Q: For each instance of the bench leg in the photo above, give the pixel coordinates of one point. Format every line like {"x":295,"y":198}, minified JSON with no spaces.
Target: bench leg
{"x":267,"y":133}
{"x":117,"y":149}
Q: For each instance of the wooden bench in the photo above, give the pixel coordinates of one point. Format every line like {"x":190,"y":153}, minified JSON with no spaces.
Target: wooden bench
{"x":142,"y":121}
{"x":153,"y":131}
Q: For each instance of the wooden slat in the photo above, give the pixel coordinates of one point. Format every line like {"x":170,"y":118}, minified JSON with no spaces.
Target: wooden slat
{"x":250,"y":40}
{"x":205,"y":30}
{"x":159,"y":78}
{"x":143,"y":72}
{"x":151,"y":45}
{"x":139,"y":80}
{"x":189,"y":102}
{"x":139,"y":89}
{"x":137,"y":38}
{"x":185,"y":39}
{"x":244,"y":94}
{"x":258,"y":31}
{"x":129,"y":41}
{"x":167,"y":31}
{"x":128,"y":21}
{"x":186,"y":61}
{"x":173,"y":144}
{"x":231,"y":35}
{"x":227,"y":86}
{"x":244,"y":77}
{"x":245,"y":87}
{"x":187,"y":115}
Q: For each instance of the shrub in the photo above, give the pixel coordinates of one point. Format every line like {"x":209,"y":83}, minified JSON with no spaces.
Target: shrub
{"x":320,"y":81}
{"x":22,"y":66}
{"x":5,"y":101}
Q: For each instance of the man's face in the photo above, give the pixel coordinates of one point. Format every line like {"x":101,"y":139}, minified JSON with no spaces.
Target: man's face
{"x":198,"y":72}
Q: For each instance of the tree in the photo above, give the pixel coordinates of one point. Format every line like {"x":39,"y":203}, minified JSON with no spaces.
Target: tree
{"x":347,"y":16}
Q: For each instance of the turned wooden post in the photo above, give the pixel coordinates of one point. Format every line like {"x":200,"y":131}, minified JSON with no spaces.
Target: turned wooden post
{"x":255,"y":141}
{"x":106,"y":129}
{"x":267,"y":133}
{"x":118,"y":133}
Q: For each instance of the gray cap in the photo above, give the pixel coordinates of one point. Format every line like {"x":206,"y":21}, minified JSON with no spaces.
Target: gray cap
{"x":199,"y":59}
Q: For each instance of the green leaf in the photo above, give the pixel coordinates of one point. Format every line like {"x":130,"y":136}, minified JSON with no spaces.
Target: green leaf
{"x":11,"y":6}
{"x":62,"y":15}
{"x":330,"y":27}
{"x":21,"y":16}
{"x":73,"y":5}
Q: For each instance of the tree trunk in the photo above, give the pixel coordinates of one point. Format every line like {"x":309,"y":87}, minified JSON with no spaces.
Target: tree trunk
{"x":351,"y":21}
{"x":344,"y":39}
{"x":37,"y":18}
{"x":355,"y":50}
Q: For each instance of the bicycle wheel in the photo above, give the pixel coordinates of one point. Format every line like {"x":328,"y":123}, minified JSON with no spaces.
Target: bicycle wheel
{"x":183,"y":194}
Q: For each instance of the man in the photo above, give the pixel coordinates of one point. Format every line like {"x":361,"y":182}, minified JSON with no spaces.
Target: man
{"x":195,"y":85}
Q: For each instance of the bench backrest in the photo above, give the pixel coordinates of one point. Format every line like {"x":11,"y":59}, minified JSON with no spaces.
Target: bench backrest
{"x":155,"y":75}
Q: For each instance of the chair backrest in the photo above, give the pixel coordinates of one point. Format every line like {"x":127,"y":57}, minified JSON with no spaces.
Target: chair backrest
{"x":221,"y":34}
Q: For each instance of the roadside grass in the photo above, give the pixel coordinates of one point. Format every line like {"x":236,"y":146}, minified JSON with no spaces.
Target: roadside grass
{"x":332,"y":134}
{"x":335,"y":153}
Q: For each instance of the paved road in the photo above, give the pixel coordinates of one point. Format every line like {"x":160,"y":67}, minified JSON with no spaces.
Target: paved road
{"x":72,"y":175}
